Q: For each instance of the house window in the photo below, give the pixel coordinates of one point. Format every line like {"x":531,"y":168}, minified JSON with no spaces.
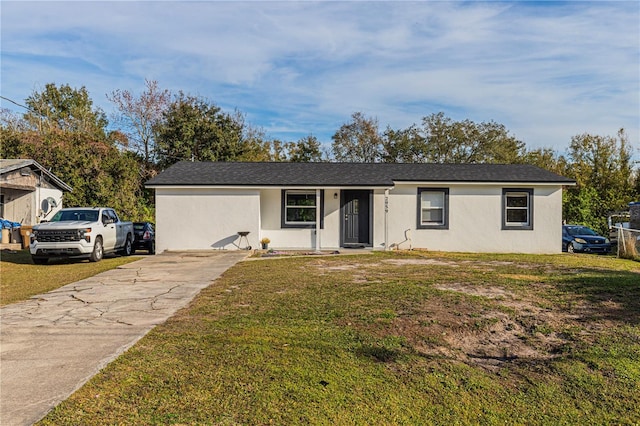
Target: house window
{"x":433,"y":208}
{"x":299,"y":209}
{"x":517,"y":209}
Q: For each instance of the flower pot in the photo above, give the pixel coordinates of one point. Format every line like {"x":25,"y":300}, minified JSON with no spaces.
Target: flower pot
{"x":265,"y":246}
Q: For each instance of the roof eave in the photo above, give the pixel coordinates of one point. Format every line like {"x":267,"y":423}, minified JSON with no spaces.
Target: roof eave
{"x":33,"y":163}
{"x":488,"y":182}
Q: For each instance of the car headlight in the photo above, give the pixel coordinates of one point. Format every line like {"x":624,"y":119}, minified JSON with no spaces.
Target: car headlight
{"x":82,"y":234}
{"x":34,"y":235}
{"x":580,"y":240}
{"x":606,"y":241}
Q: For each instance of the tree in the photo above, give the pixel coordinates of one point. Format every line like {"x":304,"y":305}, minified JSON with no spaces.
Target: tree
{"x":194,"y":129}
{"x":140,"y":117}
{"x":602,"y":168}
{"x":65,"y":109}
{"x":68,"y":137}
{"x":547,"y":159}
{"x":442,"y":140}
{"x":278,"y":150}
{"x":97,"y":171}
{"x":254,"y":145}
{"x":405,"y":146}
{"x":11,"y":121}
{"x":358,"y":141}
{"x":306,"y":150}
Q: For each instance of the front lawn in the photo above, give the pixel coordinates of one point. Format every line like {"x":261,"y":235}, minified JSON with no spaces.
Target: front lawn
{"x":22,"y":279}
{"x":387,"y":338}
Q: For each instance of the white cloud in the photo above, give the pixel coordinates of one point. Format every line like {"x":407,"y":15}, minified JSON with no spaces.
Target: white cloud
{"x":547,"y":71}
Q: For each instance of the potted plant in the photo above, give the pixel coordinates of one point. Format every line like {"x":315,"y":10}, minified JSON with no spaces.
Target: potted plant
{"x":265,"y":243}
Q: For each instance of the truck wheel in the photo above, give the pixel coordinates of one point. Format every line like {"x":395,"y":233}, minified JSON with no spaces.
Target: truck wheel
{"x":152,"y":248}
{"x":128,"y":247}
{"x":40,"y":260}
{"x":98,"y":251}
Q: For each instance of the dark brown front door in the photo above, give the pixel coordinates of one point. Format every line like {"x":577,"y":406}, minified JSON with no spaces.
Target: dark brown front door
{"x":356,"y":218}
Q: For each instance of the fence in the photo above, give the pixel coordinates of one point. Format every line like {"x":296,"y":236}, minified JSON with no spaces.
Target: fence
{"x":629,"y":243}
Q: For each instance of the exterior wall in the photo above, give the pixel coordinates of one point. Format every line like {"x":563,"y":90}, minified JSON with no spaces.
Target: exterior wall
{"x":23,"y":191}
{"x":379,"y":219}
{"x":25,"y":207}
{"x":475,"y":221}
{"x":209,"y":218}
{"x":206,"y":218}
{"x":300,"y":238}
{"x":19,"y":206}
{"x":42,"y":195}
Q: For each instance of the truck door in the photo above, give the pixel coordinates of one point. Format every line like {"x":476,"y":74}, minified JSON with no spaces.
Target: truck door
{"x":120,"y":231}
{"x":109,"y":231}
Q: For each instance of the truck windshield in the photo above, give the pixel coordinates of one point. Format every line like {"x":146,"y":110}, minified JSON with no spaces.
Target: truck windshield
{"x":71,"y":215}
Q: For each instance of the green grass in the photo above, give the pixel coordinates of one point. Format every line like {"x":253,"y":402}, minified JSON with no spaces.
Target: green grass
{"x":388,"y":338}
{"x":22,"y":279}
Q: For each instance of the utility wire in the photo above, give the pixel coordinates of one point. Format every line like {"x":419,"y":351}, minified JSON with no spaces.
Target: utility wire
{"x":15,"y":103}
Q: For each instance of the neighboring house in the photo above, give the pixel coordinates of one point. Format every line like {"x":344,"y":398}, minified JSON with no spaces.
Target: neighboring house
{"x":448,"y":207}
{"x":29,"y":193}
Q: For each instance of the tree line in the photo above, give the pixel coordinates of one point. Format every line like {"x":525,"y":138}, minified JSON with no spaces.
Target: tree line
{"x":107,"y":163}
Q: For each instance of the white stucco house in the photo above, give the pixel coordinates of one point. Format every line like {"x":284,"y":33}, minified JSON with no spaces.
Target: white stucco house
{"x":447,"y":207}
{"x":29,"y":193}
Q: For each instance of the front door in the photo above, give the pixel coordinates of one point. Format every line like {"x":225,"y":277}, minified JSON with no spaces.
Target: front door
{"x":356,"y":218}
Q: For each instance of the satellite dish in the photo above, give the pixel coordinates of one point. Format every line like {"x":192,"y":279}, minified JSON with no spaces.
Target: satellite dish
{"x":48,"y":204}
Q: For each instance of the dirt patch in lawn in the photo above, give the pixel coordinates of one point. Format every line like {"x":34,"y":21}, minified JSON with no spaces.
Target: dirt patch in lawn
{"x":507,"y":311}
{"x":421,"y":261}
{"x":497,"y":325}
{"x":510,"y":328}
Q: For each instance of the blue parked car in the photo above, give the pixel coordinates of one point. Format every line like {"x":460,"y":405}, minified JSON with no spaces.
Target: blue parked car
{"x":580,"y":239}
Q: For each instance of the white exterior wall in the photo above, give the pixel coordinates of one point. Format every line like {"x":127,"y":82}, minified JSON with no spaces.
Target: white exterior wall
{"x":379,"y":219}
{"x":475,"y":221}
{"x":301,"y":238}
{"x":42,"y":194}
{"x":206,"y":218}
{"x":25,"y":207}
{"x":209,"y":218}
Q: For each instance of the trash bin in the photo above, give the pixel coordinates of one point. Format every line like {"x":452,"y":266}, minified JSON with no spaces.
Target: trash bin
{"x":25,"y":234}
{"x":10,"y":231}
{"x":14,"y":235}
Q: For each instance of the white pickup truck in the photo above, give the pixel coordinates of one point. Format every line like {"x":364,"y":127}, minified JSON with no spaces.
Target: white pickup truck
{"x":81,"y":232}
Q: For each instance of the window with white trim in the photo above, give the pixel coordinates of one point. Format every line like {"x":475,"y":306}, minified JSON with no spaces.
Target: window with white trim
{"x":433,"y":208}
{"x":299,"y":209}
{"x":517,"y":208}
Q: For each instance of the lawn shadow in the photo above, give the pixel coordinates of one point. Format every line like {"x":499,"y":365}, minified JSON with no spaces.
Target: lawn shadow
{"x":23,"y":257}
{"x":614,"y":295}
{"x":378,"y":353}
{"x":19,"y":257}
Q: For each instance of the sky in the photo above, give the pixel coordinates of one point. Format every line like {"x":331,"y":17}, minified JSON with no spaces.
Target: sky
{"x":547,"y":71}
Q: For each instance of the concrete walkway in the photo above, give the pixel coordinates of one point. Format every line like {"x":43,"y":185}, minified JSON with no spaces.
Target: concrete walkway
{"x":55,"y":342}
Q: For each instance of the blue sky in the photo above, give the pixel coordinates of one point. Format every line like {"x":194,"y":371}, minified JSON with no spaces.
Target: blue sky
{"x":546,"y":70}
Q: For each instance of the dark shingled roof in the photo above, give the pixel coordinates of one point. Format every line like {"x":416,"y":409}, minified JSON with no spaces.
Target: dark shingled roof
{"x":346,"y":174}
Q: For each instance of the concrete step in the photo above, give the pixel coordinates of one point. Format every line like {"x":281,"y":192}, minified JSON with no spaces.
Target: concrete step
{"x":10,"y":246}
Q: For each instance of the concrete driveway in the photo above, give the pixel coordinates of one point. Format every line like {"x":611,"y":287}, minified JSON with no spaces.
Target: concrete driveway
{"x":55,"y":342}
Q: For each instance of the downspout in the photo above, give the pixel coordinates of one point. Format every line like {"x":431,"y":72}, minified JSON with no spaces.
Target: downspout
{"x":386,"y":219}
{"x":318,"y":219}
